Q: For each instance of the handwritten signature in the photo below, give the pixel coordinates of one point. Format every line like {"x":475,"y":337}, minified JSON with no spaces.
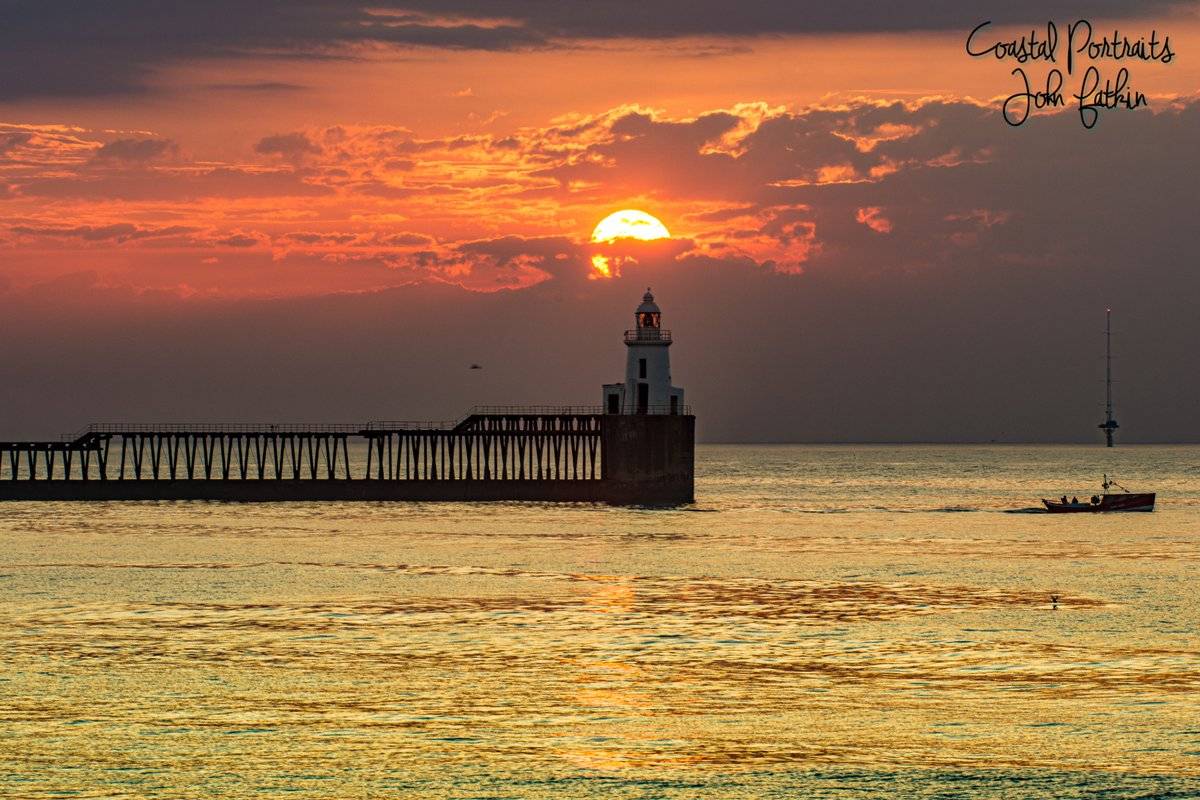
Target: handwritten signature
{"x":1081,"y":41}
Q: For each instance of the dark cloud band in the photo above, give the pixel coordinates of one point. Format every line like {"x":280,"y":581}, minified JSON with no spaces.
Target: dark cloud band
{"x":89,"y":49}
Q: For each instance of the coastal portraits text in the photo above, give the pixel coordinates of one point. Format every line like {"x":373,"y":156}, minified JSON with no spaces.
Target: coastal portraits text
{"x":1083,"y":55}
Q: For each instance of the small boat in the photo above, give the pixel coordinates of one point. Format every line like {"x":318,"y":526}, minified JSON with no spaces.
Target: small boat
{"x":1124,"y":500}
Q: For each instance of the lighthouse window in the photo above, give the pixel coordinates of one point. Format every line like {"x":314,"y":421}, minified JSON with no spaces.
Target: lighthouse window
{"x":641,"y":367}
{"x":648,"y":319}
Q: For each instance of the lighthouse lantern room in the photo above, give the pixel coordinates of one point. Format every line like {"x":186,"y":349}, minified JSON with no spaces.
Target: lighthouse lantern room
{"x":647,"y":388}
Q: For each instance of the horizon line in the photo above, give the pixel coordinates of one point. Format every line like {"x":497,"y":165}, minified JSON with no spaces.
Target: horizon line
{"x":957,"y":442}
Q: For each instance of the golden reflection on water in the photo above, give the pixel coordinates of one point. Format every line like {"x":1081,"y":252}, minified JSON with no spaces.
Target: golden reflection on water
{"x":644,"y":664}
{"x":524,"y":652}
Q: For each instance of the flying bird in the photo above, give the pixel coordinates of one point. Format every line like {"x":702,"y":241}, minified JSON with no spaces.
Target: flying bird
{"x":474,"y":366}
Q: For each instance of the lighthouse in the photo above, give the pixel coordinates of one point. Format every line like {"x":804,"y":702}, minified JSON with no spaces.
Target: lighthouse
{"x":647,"y":388}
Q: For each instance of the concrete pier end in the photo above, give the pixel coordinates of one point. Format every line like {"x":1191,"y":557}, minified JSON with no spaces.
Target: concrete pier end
{"x":649,"y":459}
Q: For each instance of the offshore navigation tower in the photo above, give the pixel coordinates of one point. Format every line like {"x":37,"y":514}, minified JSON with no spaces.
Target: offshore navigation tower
{"x":1109,"y":426}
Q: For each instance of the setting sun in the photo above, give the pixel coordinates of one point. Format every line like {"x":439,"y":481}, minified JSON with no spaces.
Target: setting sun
{"x":628,"y":223}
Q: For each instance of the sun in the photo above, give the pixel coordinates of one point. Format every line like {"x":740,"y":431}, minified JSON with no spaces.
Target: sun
{"x":629,"y":223}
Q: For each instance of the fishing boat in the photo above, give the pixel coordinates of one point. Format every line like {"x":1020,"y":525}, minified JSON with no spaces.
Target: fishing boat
{"x":1123,"y":500}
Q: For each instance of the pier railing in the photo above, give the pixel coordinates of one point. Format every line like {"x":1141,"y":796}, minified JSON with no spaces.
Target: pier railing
{"x":207,"y":427}
{"x":120,"y":428}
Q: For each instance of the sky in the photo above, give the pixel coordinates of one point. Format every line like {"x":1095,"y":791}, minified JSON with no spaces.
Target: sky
{"x":326,"y":211}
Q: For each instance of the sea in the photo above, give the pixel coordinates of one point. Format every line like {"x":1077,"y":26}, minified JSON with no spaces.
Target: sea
{"x":826,"y":621}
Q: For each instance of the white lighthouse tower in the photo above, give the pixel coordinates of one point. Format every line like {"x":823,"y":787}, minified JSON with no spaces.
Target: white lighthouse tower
{"x":647,"y":388}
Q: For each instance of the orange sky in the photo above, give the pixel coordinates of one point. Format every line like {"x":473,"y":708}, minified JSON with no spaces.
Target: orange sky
{"x":206,"y":208}
{"x":358,"y":174}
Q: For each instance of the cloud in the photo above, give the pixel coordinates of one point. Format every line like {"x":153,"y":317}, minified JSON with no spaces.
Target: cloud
{"x":857,"y":190}
{"x":118,"y":46}
{"x":873,"y":218}
{"x":135,"y":150}
{"x":340,"y":240}
{"x":240,"y":240}
{"x":117,"y":232}
{"x":505,"y":262}
{"x":50,"y":146}
{"x":177,"y":186}
{"x":10,"y":140}
{"x":327,"y":239}
{"x":259,"y":86}
{"x":405,"y":240}
{"x":292,"y":146}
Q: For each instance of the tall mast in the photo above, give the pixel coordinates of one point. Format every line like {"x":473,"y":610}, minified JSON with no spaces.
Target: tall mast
{"x":1110,"y":424}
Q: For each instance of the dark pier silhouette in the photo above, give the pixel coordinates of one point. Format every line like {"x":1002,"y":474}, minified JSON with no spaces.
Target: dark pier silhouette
{"x":569,"y":454}
{"x":638,"y":448}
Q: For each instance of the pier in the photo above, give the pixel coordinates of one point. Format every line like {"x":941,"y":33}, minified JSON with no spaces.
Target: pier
{"x":570,"y":454}
{"x":637,"y":448}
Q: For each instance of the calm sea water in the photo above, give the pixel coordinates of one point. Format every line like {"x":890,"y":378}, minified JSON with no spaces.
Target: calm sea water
{"x":844,"y":621}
